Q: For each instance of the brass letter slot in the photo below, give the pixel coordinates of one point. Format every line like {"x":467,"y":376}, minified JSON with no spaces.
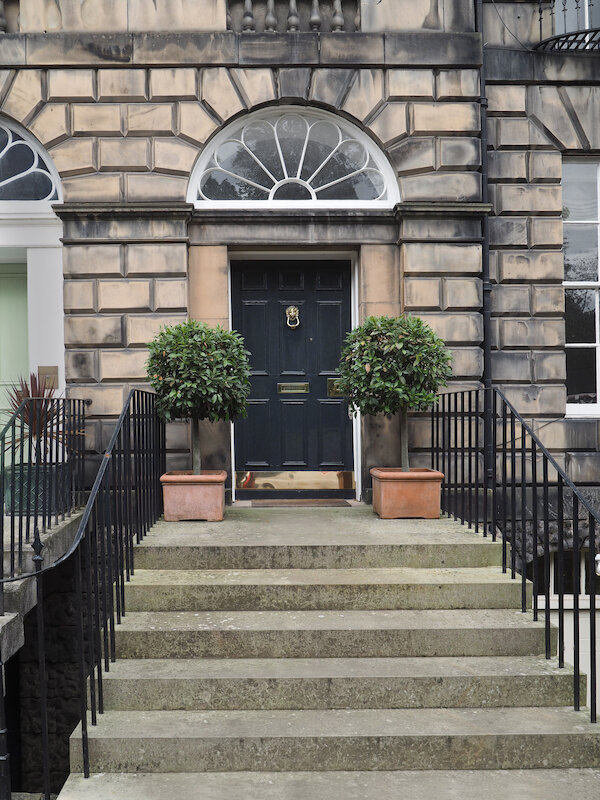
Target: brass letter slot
{"x":332,"y":388}
{"x":293,"y":388}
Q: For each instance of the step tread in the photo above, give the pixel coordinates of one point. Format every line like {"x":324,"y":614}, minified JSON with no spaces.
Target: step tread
{"x":480,"y":619}
{"x":332,"y":577}
{"x":355,"y":723}
{"x":298,"y":668}
{"x":550,"y":784}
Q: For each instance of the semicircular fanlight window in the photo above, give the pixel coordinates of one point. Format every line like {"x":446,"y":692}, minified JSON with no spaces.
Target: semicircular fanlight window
{"x":23,"y":173}
{"x":292,"y":157}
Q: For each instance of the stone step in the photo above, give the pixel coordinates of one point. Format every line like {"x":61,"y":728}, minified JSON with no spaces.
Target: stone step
{"x":538,"y":784}
{"x":314,"y":634}
{"x":375,"y":588}
{"x":192,"y":684}
{"x":281,"y":741}
{"x":299,"y":538}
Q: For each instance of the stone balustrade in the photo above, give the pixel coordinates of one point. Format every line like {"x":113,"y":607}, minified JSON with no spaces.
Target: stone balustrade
{"x":279,"y":16}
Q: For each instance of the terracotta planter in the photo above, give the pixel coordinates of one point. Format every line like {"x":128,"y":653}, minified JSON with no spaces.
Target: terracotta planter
{"x":188,"y":496}
{"x":406,"y":495}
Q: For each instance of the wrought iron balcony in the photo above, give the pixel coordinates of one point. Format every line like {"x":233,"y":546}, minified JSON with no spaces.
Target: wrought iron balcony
{"x":291,"y":16}
{"x":576,"y":26}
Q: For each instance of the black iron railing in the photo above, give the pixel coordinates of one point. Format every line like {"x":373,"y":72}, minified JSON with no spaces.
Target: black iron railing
{"x":124,"y":503}
{"x":569,"y":25}
{"x":41,"y":473}
{"x":502,"y":481}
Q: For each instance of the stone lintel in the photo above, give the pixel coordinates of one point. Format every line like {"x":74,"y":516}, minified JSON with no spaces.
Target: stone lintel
{"x":110,"y":223}
{"x":504,"y":65}
{"x":444,"y":208}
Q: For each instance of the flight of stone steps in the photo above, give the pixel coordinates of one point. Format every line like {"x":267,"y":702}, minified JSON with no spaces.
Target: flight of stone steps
{"x":292,"y":654}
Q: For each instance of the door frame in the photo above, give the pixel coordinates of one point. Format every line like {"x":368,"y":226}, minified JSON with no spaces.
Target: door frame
{"x":305,"y":255}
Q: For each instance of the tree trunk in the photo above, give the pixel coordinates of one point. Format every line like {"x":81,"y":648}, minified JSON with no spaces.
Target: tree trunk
{"x":404,"y":466}
{"x":196,"y":461}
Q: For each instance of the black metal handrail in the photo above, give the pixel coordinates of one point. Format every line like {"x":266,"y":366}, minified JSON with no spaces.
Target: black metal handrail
{"x":125,"y":501}
{"x":500,"y":479}
{"x":573,"y":25}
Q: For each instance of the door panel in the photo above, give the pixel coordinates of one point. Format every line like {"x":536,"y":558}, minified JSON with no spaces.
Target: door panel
{"x":291,"y":427}
{"x":14,"y":350}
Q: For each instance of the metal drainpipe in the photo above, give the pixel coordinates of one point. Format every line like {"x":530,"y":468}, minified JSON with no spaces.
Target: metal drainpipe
{"x":486,"y":310}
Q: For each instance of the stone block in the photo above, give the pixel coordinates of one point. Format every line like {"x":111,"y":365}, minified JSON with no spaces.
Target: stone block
{"x":92,"y":188}
{"x":390,"y":124}
{"x":457,"y":152}
{"x":544,"y":232}
{"x":379,"y":274}
{"x":529,"y":198}
{"x":451,"y":228}
{"x":97,"y":120}
{"x":183,"y":48}
{"x":531,"y":266}
{"x":457,"y":84}
{"x":219,"y":93}
{"x":66,"y":15}
{"x":174,"y":156}
{"x":583,"y":468}
{"x":256,"y":86}
{"x":157,"y":259}
{"x":390,"y":308}
{"x":514,"y":367}
{"x":351,"y":48}
{"x":208,"y":284}
{"x":508,"y":231}
{"x":25,"y":95}
{"x":79,"y":49}
{"x":121,"y":84}
{"x":518,"y":134}
{"x":428,"y":257}
{"x":548,"y":299}
{"x":535,"y":399}
{"x":456,"y":328}
{"x":92,"y":259}
{"x":532,"y":332}
{"x":467,"y":362}
{"x":549,"y":367}
{"x":124,"y":154}
{"x":461,"y":186}
{"x":170,"y":294}
{"x":511,"y":300}
{"x":329,"y":86}
{"x":178,"y":436}
{"x":79,"y":296}
{"x":74,"y":157}
{"x":585,"y":104}
{"x":546,"y":106}
{"x":176,"y":15}
{"x":264,"y":49}
{"x":544,"y":167}
{"x":142,"y":328}
{"x":71,"y":84}
{"x":173,"y":84}
{"x":86,"y":330}
{"x":507,"y":167}
{"x":51,"y":125}
{"x":150,"y":118}
{"x":151,"y":186}
{"x":413,"y":155}
{"x":422,"y":293}
{"x":406,"y":83}
{"x":195,"y":124}
{"x":568,"y":434}
{"x":81,"y":366}
{"x":13,"y":50}
{"x":506,"y":99}
{"x":107,"y":401}
{"x":294,"y":83}
{"x":124,"y":365}
{"x":462,"y":293}
{"x":411,"y":16}
{"x":427,"y":118}
{"x":366,"y":93}
{"x":124,"y":295}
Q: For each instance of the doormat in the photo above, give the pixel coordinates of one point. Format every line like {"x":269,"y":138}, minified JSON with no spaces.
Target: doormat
{"x":319,"y":502}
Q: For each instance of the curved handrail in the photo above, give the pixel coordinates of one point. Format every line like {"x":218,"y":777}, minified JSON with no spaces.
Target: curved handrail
{"x":583,"y":41}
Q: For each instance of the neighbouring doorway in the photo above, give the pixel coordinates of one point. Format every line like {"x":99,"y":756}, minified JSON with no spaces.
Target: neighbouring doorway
{"x":297,"y":438}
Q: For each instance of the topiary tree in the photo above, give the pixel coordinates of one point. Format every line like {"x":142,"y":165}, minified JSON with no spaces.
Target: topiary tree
{"x":199,"y":372}
{"x":389,"y":365}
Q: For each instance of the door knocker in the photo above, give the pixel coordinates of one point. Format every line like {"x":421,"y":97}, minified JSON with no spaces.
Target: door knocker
{"x":292,"y":314}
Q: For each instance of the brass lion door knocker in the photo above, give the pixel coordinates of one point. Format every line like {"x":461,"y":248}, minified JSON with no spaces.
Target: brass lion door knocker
{"x":292,"y":314}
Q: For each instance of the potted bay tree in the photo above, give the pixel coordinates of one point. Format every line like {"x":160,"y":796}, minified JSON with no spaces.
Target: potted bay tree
{"x":198,"y":373}
{"x":390,"y":365}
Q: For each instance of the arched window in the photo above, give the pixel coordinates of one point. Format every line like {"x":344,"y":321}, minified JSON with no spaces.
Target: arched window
{"x":24,"y":172}
{"x":293,"y":157}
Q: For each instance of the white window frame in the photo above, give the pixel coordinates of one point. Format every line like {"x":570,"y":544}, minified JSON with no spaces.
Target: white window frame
{"x":588,"y":409}
{"x":383,"y":165}
{"x":32,"y":208}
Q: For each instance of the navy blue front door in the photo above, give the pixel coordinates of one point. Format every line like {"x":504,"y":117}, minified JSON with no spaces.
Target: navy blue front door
{"x":294,"y":316}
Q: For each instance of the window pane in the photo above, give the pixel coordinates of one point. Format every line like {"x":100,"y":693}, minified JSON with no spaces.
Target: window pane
{"x":581,"y":252}
{"x":364,"y":186}
{"x":292,"y":132}
{"x":580,"y":315}
{"x":580,"y":191}
{"x":292,"y":191}
{"x":233,"y":157}
{"x":217,"y":185}
{"x":581,"y":375}
{"x":259,"y":138}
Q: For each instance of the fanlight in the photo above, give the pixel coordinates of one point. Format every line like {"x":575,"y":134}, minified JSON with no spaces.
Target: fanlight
{"x":23,"y":173}
{"x":294,"y":157}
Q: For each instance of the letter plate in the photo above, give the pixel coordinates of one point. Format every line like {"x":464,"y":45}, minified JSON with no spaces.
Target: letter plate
{"x":293,"y":388}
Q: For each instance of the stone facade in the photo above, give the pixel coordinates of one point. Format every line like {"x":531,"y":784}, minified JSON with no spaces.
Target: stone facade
{"x":124,"y":98}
